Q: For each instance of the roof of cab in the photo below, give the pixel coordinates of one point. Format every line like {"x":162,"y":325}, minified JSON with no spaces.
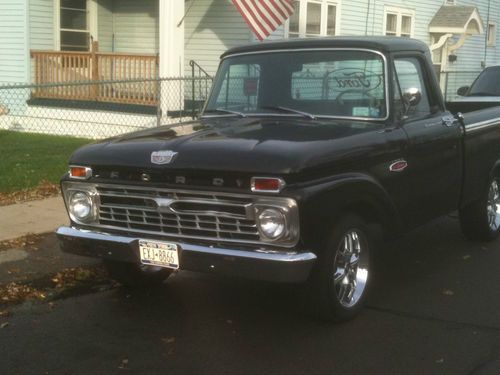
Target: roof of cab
{"x":379,"y":43}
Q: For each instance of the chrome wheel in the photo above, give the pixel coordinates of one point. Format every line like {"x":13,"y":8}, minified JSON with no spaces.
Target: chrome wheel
{"x":351,"y":268}
{"x":493,"y":206}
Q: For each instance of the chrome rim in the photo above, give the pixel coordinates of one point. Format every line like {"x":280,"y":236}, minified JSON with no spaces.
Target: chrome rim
{"x":351,"y":268}
{"x":493,"y":207}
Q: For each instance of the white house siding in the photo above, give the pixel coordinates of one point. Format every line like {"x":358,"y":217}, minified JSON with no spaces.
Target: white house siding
{"x":136,"y":26}
{"x":105,"y":25}
{"x":211,"y":27}
{"x":13,"y":41}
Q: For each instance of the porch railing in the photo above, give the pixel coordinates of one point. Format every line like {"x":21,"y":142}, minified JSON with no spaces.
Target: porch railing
{"x":61,"y":67}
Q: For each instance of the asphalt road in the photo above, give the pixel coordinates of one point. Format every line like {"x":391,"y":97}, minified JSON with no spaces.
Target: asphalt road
{"x":434,"y":309}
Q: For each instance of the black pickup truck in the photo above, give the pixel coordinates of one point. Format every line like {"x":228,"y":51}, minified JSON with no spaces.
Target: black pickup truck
{"x":307,"y":156}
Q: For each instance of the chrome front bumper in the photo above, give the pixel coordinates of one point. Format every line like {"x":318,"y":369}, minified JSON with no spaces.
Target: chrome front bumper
{"x":293,"y":267}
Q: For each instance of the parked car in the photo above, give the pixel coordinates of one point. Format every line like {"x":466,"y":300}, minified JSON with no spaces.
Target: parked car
{"x":487,"y":84}
{"x":307,"y":156}
{"x":484,"y":91}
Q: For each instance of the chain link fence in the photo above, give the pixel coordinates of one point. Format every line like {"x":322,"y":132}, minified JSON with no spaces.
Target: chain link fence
{"x":100,"y":109}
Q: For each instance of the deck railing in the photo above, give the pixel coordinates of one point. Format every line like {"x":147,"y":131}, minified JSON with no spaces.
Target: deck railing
{"x":61,"y":67}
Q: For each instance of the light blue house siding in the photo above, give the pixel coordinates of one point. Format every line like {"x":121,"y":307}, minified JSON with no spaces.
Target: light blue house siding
{"x":211,"y":27}
{"x":40,"y":28}
{"x":105,"y":25}
{"x":41,"y":24}
{"x":128,"y":26}
{"x":13,"y":41}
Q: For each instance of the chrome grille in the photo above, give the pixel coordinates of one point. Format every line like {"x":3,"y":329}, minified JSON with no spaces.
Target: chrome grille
{"x":180,"y":214}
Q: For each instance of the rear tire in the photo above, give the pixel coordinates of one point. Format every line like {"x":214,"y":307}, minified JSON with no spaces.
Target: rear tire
{"x":134,"y":275}
{"x":480,"y":220}
{"x":339,"y":283}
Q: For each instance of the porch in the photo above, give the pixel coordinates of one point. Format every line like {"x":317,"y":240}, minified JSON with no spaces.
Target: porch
{"x":65,"y":66}
{"x":103,"y":41}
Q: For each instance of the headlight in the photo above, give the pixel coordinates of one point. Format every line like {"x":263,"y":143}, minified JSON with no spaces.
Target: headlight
{"x":271,"y":223}
{"x":80,"y":205}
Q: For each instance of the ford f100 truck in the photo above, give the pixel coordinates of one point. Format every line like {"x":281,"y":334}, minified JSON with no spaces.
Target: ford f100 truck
{"x":307,"y":155}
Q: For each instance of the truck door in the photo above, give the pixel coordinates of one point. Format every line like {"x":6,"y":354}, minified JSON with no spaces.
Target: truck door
{"x":434,"y":167}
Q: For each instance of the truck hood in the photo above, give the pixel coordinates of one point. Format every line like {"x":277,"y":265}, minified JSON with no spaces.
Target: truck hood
{"x":231,"y":144}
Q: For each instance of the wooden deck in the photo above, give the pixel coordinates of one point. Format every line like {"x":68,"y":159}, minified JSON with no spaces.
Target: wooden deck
{"x":141,"y":70}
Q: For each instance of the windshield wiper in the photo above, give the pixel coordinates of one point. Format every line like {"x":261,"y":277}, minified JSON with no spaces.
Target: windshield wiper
{"x":291,"y":110}
{"x":223,"y":110}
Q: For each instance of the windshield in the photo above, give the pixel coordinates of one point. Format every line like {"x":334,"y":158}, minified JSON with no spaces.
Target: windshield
{"x":487,"y":84}
{"x":334,"y":83}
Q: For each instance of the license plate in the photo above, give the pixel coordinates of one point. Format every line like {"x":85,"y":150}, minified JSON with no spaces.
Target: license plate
{"x":162,"y":254}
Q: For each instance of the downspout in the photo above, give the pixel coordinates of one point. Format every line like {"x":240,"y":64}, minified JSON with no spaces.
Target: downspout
{"x":367,"y":15}
{"x":486,"y":35}
{"x":27,"y":38}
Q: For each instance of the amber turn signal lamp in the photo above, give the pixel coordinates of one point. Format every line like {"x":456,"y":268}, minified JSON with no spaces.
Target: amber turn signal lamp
{"x":81,"y":173}
{"x":267,"y":184}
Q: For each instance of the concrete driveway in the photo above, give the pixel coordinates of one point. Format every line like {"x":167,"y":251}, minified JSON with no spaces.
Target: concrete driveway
{"x":435,"y":309}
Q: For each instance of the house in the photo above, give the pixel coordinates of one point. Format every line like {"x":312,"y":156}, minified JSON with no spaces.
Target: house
{"x":48,"y":41}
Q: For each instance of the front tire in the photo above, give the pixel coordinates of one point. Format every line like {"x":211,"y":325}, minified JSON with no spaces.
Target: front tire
{"x":339,"y":284}
{"x":136,"y":275}
{"x":480,"y":220}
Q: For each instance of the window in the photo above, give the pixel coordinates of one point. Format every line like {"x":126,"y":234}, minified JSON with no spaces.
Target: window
{"x":450,"y":2}
{"x":492,"y":34}
{"x":313,"y":18}
{"x":74,"y":25}
{"x":239,"y":88}
{"x":399,"y":22}
{"x":340,"y":83}
{"x":409,"y":76}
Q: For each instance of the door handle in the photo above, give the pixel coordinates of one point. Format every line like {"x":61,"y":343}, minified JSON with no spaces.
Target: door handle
{"x":449,"y":121}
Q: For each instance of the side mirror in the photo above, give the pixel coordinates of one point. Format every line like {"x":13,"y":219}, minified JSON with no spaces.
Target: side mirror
{"x":462,"y":91}
{"x":412,"y":96}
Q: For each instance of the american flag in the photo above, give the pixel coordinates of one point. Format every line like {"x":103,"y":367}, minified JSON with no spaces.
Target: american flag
{"x":264,"y":16}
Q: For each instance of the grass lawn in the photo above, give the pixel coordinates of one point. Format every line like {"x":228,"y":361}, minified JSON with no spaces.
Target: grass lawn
{"x":28,"y":159}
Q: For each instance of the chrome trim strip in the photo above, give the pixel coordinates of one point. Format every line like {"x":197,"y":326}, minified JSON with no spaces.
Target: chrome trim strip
{"x":266,"y":255}
{"x":213,"y":194}
{"x":482,"y":125}
{"x":386,"y":76}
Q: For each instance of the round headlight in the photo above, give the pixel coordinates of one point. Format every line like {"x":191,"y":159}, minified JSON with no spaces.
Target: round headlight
{"x":272,"y":223}
{"x":80,"y":205}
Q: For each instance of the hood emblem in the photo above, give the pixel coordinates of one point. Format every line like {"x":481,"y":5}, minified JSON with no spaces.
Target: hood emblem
{"x":162,"y":157}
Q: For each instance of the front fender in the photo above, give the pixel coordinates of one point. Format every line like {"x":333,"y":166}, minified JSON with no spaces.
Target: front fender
{"x":359,"y":193}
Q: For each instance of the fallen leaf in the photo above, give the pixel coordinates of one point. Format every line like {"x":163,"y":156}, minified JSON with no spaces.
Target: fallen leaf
{"x":168,"y":340}
{"x":43,"y":190}
{"x":3,"y":325}
{"x":124,"y":364}
{"x":465,"y":257}
{"x":440,"y":360}
{"x":448,"y":292}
